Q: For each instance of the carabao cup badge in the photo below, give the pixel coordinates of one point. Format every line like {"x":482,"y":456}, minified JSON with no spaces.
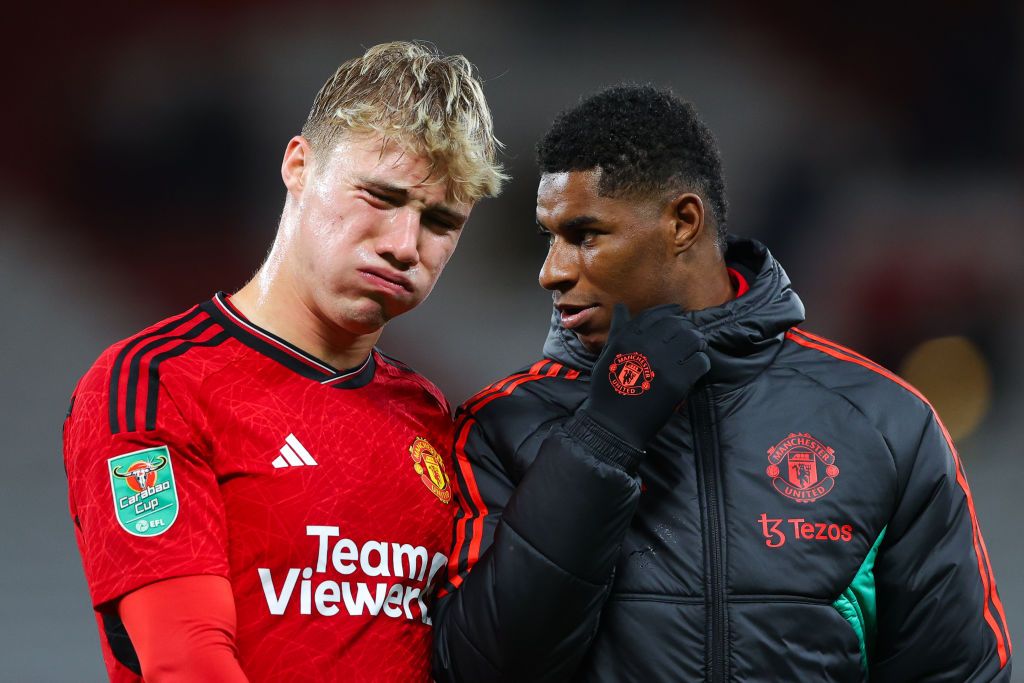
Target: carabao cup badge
{"x":795,"y":467}
{"x":145,"y":497}
{"x":630,"y":374}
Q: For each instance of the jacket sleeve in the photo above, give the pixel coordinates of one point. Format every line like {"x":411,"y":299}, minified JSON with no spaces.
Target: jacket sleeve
{"x":939,"y":614}
{"x":532,"y":562}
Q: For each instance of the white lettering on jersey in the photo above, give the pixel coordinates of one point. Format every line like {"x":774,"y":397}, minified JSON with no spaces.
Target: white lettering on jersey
{"x":374,"y":558}
{"x":276,"y":602}
{"x":355,"y":606}
{"x":381,"y":567}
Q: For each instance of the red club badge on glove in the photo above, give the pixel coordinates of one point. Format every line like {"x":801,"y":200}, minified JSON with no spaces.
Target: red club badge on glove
{"x":630,"y":374}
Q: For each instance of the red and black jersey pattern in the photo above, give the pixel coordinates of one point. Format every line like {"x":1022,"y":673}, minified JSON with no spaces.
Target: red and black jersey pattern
{"x":135,"y":375}
{"x":278,"y":464}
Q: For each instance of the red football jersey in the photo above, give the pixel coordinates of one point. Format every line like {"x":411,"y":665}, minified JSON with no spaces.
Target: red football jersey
{"x":206,"y":445}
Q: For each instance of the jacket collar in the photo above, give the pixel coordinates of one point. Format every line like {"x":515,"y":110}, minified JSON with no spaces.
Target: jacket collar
{"x":743,"y":335}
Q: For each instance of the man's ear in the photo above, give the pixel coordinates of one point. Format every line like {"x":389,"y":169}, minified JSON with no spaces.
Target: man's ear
{"x":687,"y":213}
{"x":296,"y":165}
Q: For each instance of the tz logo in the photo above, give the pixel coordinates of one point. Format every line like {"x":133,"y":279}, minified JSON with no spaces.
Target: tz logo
{"x":802,"y":530}
{"x":630,"y":374}
{"x":774,"y":537}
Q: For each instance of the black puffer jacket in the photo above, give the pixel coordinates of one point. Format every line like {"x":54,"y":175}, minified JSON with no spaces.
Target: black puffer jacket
{"x":802,"y":517}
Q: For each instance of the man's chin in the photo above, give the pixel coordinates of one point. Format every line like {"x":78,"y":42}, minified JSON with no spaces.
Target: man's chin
{"x":592,"y":341}
{"x":371,"y":314}
{"x":366,"y":317}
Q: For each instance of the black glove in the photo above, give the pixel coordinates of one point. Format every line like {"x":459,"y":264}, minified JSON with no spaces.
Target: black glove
{"x":647,"y":367}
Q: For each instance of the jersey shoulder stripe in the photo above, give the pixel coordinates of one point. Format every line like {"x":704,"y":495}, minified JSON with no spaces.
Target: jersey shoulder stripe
{"x":215,"y":338}
{"x":118,"y":377}
{"x":135,"y":373}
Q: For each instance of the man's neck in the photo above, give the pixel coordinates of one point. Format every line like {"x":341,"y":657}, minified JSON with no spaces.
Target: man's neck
{"x":712,"y":287}
{"x":280,"y":310}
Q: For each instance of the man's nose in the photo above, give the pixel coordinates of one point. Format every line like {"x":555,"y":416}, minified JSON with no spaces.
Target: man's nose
{"x":558,"y":271}
{"x":398,"y":241}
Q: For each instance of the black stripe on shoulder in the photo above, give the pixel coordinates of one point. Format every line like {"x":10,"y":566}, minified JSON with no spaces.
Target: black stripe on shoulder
{"x":131,"y":393}
{"x":118,"y":367}
{"x":153,"y":394}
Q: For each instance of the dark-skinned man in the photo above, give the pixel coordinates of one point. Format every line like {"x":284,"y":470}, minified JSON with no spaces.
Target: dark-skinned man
{"x":687,"y":486}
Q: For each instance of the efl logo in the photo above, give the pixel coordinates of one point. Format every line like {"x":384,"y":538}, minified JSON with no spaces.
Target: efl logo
{"x":630,"y":374}
{"x":800,"y":481}
{"x":774,"y":531}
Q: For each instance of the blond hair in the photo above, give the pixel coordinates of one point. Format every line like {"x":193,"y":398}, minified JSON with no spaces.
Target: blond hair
{"x":431,"y":103}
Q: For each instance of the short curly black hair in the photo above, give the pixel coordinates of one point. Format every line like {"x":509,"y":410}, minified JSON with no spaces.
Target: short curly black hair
{"x":645,"y":140}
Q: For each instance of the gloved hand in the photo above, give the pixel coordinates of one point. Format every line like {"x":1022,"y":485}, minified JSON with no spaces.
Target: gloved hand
{"x":647,"y":367}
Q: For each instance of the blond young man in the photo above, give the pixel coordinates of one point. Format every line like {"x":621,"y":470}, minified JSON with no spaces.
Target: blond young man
{"x":257,"y":492}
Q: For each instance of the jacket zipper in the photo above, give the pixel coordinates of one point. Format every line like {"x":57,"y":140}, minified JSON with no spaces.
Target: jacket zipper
{"x":716,"y":653}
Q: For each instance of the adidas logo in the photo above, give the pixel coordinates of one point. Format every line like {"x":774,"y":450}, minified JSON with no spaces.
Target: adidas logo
{"x":293,"y":454}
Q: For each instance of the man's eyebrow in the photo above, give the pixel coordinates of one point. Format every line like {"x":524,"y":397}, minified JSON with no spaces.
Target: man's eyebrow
{"x":573,"y":223}
{"x":453,"y":216}
{"x":403,"y":192}
{"x":384,"y":186}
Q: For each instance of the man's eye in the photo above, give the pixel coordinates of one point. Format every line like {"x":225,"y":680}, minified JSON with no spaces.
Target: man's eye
{"x":438,"y":224}
{"x":546,"y":234}
{"x":383,"y":198}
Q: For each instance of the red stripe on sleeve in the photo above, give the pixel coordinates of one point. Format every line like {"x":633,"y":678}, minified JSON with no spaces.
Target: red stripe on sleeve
{"x":503,"y":388}
{"x":535,"y":368}
{"x":497,"y":386}
{"x":839,"y":347}
{"x":510,"y":384}
{"x":984,"y":564}
{"x":477,"y":519}
{"x":507,"y":391}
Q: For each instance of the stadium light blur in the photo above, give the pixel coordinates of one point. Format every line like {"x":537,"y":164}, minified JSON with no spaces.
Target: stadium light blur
{"x":955,"y":376}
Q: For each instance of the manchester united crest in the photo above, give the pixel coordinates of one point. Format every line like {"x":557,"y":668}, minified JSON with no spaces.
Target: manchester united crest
{"x":630,"y":374}
{"x":796,"y":466}
{"x":429,"y":464}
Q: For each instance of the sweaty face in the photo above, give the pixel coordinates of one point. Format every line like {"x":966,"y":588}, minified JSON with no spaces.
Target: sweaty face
{"x":374,"y":232}
{"x":602,"y":251}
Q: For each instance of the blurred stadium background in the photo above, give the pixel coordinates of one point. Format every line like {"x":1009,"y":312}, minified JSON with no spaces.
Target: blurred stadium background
{"x":876,"y":148}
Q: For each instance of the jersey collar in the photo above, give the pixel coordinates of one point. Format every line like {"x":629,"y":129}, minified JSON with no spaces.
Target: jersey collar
{"x":294,"y":358}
